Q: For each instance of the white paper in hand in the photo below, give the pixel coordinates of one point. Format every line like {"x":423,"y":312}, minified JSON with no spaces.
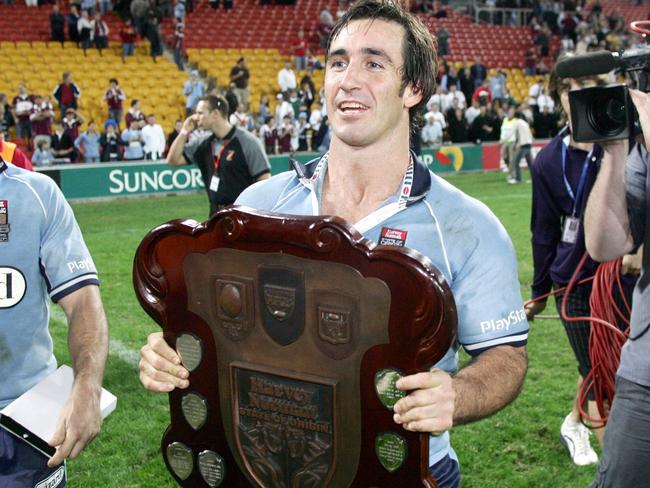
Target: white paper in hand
{"x":33,"y":416}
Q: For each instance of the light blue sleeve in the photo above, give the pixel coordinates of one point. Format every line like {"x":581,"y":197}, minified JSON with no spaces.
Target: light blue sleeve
{"x":487,"y":291}
{"x":65,"y":260}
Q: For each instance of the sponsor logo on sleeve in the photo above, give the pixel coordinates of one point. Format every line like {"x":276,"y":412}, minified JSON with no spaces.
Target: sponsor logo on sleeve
{"x":392,"y":237}
{"x":12,"y":287}
{"x":512,"y":319}
{"x":4,"y":221}
{"x":81,"y":265}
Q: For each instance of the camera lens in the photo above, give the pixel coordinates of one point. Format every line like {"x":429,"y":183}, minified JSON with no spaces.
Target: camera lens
{"x":607,"y":113}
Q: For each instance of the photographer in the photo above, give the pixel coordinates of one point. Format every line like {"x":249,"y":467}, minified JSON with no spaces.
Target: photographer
{"x":616,"y":222}
{"x":563,"y":175}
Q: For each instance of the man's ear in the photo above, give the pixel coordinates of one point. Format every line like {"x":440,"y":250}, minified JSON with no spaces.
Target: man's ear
{"x":412,"y":95}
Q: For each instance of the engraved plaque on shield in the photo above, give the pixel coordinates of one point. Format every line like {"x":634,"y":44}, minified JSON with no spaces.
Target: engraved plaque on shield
{"x":180,"y":458}
{"x":391,"y":450}
{"x":282,"y":294}
{"x":387,"y":392}
{"x":235,"y":306}
{"x":195,"y":409}
{"x":285,"y":427}
{"x":190,"y":350}
{"x":212,"y":468}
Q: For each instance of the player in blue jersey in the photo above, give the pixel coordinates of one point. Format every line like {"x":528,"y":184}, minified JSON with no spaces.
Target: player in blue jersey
{"x":42,"y":257}
{"x":380,"y":70}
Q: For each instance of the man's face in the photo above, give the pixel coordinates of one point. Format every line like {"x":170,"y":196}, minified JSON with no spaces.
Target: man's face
{"x":113,"y":84}
{"x":363,"y":82}
{"x":205,"y":117}
{"x":21,"y":89}
{"x":151,"y":120}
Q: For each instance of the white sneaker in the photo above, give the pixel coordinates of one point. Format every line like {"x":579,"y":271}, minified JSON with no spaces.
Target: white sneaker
{"x":512,"y":181}
{"x":575,"y":437}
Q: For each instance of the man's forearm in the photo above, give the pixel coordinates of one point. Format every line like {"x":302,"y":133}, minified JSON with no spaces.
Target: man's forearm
{"x":607,"y":226}
{"x":87,"y":337}
{"x":489,"y":383}
{"x":175,"y":154}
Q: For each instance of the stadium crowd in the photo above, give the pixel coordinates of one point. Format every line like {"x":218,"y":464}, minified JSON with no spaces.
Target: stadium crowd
{"x":470,"y":105}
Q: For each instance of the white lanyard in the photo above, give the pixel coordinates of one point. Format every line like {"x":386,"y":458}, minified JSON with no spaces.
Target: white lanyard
{"x":379,"y":215}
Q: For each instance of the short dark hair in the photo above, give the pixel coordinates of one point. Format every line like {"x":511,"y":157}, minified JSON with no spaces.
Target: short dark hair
{"x":134,"y":101}
{"x":217,"y":102}
{"x":418,"y":48}
{"x":557,"y":85}
{"x":113,"y":80}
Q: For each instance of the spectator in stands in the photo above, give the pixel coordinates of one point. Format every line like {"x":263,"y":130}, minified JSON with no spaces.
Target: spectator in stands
{"x":478,"y":72}
{"x":153,"y":139}
{"x":315,"y":119}
{"x":466,"y":81}
{"x":307,"y":92}
{"x":286,"y":132}
{"x":73,"y":20}
{"x":482,"y":129}
{"x":530,"y":63}
{"x":472,"y":112}
{"x":458,"y":129}
{"x":132,"y":138}
{"x":438,"y":116}
{"x":498,"y":85}
{"x":57,"y":24}
{"x":114,"y":97}
{"x":269,"y":134}
{"x":239,"y":75}
{"x":534,"y":91}
{"x":193,"y":90}
{"x":544,"y":100}
{"x":443,"y":41}
{"x":178,"y":126}
{"x":286,"y":78}
{"x":313,"y":62}
{"x":231,"y":98}
{"x":179,"y":10}
{"x":545,"y":123}
{"x":439,"y":98}
{"x":299,"y":50}
{"x":88,"y":6}
{"x":153,"y":35}
{"x":431,"y":133}
{"x":543,"y":41}
{"x":567,"y":23}
{"x":66,"y":94}
{"x":304,"y":133}
{"x":455,"y":95}
{"x":41,"y":117}
{"x":23,"y":103}
{"x":325,"y":23}
{"x":179,"y":40}
{"x":139,"y":12}
{"x":296,"y":104}
{"x":239,"y":118}
{"x":483,"y":94}
{"x":128,"y":37}
{"x":100,"y":32}
{"x":85,"y":29}
{"x":321,"y":138}
{"x":134,"y":114}
{"x":110,"y":142}
{"x":282,"y":109}
{"x":43,"y":155}
{"x":9,"y":151}
{"x":264,"y":109}
{"x":88,"y":144}
{"x":62,"y":145}
{"x":449,"y":79}
{"x":6,"y":117}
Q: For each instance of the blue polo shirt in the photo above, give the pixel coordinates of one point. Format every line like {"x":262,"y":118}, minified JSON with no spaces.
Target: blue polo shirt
{"x":459,"y":234}
{"x":42,"y":257}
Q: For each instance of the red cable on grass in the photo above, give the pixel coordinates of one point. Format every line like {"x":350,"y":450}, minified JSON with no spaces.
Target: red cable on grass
{"x":605,"y":342}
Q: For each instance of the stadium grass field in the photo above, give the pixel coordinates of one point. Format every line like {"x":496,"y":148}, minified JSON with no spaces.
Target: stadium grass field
{"x":518,"y":447}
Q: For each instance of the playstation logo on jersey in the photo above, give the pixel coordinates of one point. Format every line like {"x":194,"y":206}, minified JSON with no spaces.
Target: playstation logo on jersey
{"x":4,"y":221}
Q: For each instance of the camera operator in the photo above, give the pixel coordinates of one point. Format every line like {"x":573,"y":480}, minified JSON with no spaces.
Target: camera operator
{"x":563,"y":175}
{"x":616,"y":222}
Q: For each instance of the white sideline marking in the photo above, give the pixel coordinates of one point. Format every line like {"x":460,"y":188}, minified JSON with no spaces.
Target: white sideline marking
{"x":116,"y":347}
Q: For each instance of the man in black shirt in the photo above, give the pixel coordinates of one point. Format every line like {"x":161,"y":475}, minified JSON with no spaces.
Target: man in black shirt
{"x":239,"y":75}
{"x":230,"y":159}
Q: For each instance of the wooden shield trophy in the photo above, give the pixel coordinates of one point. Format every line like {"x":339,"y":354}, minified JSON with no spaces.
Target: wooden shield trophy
{"x":294,"y":330}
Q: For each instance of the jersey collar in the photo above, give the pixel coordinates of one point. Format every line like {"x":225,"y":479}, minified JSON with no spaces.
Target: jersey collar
{"x":421,"y":175}
{"x":3,"y":165}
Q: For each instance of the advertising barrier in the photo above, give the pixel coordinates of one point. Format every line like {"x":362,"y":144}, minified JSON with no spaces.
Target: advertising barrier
{"x":111,"y":180}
